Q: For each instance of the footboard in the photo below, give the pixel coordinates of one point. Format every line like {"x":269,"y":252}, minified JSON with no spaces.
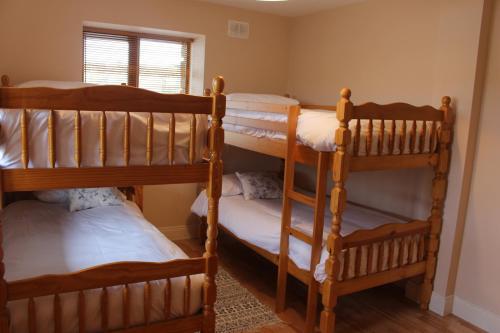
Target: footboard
{"x":383,"y":255}
{"x":105,"y":277}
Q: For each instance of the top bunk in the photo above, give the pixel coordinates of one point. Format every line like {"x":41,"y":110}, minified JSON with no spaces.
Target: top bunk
{"x":392,"y":136}
{"x":66,"y":135}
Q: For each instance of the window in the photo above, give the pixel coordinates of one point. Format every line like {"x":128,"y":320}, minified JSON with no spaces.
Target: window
{"x":153,"y":62}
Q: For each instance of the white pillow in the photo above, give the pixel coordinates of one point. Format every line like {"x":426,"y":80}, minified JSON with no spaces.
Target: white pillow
{"x":260,"y":185}
{"x":54,"y":84}
{"x":86,"y":198}
{"x":52,"y":196}
{"x":231,"y":185}
{"x":262,"y":98}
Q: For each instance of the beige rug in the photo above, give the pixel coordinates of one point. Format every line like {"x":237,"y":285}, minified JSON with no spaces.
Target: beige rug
{"x":237,"y":309}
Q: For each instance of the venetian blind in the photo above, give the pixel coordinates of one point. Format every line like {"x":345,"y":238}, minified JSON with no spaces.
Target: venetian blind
{"x":157,"y":63}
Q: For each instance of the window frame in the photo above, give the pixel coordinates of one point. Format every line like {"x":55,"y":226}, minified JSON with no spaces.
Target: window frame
{"x":134,"y":44}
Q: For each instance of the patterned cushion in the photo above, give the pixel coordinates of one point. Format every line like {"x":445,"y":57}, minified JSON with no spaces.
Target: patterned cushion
{"x":86,"y":198}
{"x":260,"y":185}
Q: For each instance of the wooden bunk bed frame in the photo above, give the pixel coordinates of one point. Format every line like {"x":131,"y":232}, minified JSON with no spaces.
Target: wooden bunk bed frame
{"x":109,"y":99}
{"x":421,"y":235}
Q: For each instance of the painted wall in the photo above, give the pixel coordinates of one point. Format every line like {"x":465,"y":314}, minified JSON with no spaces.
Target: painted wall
{"x":477,"y":296}
{"x":43,"y":40}
{"x":387,"y":51}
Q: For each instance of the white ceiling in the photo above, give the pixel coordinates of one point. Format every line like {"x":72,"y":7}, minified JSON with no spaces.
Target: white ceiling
{"x":286,"y":8}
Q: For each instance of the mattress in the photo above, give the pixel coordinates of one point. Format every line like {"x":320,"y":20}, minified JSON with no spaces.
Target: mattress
{"x":10,"y":136}
{"x":259,"y":223}
{"x":42,"y":238}
{"x":316,"y":129}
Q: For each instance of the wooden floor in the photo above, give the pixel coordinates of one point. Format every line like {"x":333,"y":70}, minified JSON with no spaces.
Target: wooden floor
{"x":383,"y":309}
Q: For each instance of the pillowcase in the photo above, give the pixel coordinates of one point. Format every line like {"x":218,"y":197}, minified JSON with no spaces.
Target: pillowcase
{"x":86,"y":198}
{"x":52,"y":196}
{"x":231,"y":185}
{"x":260,"y":185}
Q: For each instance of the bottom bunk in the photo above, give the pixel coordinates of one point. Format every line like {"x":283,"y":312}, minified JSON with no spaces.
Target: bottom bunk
{"x":374,"y":242}
{"x":110,"y":269}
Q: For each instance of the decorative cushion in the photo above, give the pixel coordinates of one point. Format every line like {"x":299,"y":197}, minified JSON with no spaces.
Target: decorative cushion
{"x":260,"y":185}
{"x":231,"y":185}
{"x":86,"y":198}
{"x":52,"y":196}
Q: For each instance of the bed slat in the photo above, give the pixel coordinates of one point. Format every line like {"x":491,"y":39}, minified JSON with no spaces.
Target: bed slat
{"x":421,"y":247}
{"x":24,"y":139}
{"x":357,"y":137}
{"x":171,"y":139}
{"x":381,"y":137}
{"x":78,"y":138}
{"x":187,"y":295}
{"x":51,"y":138}
{"x":413,"y":136}
{"x":369,"y":259}
{"x":423,"y":134}
{"x":357,"y":266}
{"x":102,"y":138}
{"x":380,"y":259}
{"x":392,"y":137}
{"x":369,"y":137}
{"x":432,"y":139}
{"x":347,"y":261}
{"x":402,"y":138}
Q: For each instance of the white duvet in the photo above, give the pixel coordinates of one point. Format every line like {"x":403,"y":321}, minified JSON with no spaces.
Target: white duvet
{"x":259,"y":223}
{"x":10,"y":136}
{"x":42,"y":238}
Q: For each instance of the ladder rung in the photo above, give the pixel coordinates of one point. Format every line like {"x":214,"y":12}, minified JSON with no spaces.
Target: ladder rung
{"x":302,"y":198}
{"x":300,"y":235}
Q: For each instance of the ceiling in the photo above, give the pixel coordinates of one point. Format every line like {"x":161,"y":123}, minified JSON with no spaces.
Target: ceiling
{"x":290,"y":8}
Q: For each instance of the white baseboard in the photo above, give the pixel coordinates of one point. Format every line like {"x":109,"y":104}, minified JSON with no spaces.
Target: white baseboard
{"x":475,"y":315}
{"x":178,"y":232}
{"x":441,"y":305}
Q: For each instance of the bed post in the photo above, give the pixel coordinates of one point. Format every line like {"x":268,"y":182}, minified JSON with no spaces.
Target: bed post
{"x":213,"y":192}
{"x":337,"y":206}
{"x":4,"y":312}
{"x":439,"y":187}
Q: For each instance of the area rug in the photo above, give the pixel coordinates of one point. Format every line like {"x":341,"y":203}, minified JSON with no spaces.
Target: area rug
{"x":237,"y":309}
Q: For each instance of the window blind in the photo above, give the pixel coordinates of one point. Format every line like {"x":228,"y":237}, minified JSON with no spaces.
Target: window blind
{"x":157,"y":63}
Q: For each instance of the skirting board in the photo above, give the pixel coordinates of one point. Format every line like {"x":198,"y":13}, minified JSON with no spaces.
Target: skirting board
{"x":441,"y":305}
{"x":475,"y":315}
{"x":178,"y":232}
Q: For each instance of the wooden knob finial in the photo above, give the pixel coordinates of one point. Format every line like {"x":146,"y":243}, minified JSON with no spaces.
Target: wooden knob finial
{"x":345,"y":93}
{"x":446,"y":101}
{"x":5,"y":81}
{"x":218,"y":85}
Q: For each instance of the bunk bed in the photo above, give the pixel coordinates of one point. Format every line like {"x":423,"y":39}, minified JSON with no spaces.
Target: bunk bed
{"x":346,"y":248}
{"x":105,"y":268}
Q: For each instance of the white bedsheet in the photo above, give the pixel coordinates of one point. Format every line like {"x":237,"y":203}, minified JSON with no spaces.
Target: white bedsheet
{"x":259,"y":223}
{"x":10,"y":136}
{"x":316,"y":129}
{"x":42,"y":238}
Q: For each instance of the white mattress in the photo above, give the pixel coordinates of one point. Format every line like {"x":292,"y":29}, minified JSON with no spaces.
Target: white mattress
{"x":259,"y":223}
{"x":10,"y":136}
{"x":42,"y":238}
{"x":316,"y":129}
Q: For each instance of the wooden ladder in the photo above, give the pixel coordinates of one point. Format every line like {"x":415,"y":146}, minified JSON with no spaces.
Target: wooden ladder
{"x":316,"y":240}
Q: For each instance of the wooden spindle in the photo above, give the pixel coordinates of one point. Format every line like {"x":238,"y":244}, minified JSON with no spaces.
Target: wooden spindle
{"x":171,"y":139}
{"x":423,"y":135}
{"x":102,"y":138}
{"x":187,"y":295}
{"x":381,"y":137}
{"x":345,"y":109}
{"x":392,"y":137}
{"x":402,"y":138}
{"x":51,"y":139}
{"x":104,"y":309}
{"x":413,"y":136}
{"x":357,"y":138}
{"x":126,"y":306}
{"x":392,"y":249}
{"x":167,"y":294}
{"x":411,"y":249}
{"x":147,"y":302}
{"x":31,"y":316}
{"x":24,"y":139}
{"x":81,"y":312}
{"x":380,"y":257}
{"x":192,"y":140}
{"x":369,"y":137}
{"x":216,"y":140}
{"x":357,"y":265}
{"x":369,"y":259}
{"x":421,"y":247}
{"x":57,"y":314}
{"x":432,"y":137}
{"x":78,"y":139}
{"x":149,"y":139}
{"x":126,"y":139}
{"x":401,"y":253}
{"x":347,"y":262}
